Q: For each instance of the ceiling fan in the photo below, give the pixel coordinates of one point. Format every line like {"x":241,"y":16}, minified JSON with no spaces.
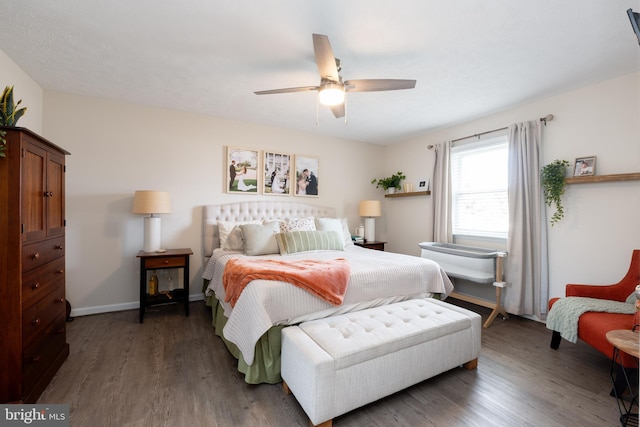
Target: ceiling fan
{"x":331,"y":91}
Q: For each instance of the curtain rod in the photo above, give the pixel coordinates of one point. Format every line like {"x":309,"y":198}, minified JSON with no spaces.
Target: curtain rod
{"x":545,"y":119}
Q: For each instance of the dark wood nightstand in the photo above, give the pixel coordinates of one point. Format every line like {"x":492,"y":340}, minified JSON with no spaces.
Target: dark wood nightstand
{"x":172,"y":258}
{"x":373,"y":244}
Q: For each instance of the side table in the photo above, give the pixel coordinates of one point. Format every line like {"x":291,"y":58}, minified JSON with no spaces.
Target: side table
{"x":628,"y":342}
{"x":372,"y":244}
{"x":172,"y":258}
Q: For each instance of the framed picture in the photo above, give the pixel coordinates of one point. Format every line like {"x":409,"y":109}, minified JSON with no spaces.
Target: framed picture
{"x":276,"y":174}
{"x":307,"y":176}
{"x":422,"y":185}
{"x":242,"y":169}
{"x":585,"y":166}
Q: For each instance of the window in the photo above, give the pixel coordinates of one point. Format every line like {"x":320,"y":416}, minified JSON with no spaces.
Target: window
{"x":479,"y":181}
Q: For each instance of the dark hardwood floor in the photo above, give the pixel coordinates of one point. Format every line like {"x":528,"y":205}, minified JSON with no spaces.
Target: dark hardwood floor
{"x":173,"y":371}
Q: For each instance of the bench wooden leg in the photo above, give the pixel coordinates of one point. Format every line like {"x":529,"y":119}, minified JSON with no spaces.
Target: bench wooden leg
{"x":472,"y":364}
{"x":324,"y":424}
{"x":285,"y":387}
{"x":555,"y":340}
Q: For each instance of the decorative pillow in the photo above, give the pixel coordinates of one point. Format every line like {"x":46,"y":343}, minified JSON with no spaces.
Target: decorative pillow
{"x":304,"y":241}
{"x":231,"y":234}
{"x":260,"y":239}
{"x":334,"y":224}
{"x":297,"y":224}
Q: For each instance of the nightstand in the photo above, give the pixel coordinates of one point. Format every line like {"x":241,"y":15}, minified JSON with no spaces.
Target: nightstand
{"x":373,"y":244}
{"x":172,"y":258}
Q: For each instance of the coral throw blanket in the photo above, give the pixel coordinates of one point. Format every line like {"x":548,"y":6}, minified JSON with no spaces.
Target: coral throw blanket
{"x":326,"y":279}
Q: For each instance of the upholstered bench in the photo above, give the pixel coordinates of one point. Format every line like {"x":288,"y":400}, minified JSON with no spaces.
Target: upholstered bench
{"x":337,"y":364}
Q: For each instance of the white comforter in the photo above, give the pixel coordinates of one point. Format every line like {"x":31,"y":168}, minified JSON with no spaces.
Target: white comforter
{"x":377,"y":278}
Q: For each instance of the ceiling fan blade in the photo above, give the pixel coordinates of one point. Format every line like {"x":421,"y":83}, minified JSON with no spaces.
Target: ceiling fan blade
{"x":324,"y":58}
{"x":287,"y":90}
{"x":374,"y":85}
{"x":338,"y":110}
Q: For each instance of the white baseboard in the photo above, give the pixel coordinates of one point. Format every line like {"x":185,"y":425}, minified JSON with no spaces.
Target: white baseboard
{"x":135,"y":305}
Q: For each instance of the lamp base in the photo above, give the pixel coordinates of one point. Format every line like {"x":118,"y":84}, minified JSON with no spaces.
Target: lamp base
{"x":369,"y":229}
{"x":151,"y":233}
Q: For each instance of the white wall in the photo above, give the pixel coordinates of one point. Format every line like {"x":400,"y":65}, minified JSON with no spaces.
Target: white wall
{"x":593,"y":243}
{"x":25,"y":89}
{"x":118,"y":148}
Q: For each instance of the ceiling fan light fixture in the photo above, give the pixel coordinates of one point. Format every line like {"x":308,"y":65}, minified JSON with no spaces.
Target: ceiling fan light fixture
{"x":331,"y":94}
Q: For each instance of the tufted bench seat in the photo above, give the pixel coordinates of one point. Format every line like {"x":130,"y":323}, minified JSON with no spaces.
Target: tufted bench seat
{"x":337,"y":364}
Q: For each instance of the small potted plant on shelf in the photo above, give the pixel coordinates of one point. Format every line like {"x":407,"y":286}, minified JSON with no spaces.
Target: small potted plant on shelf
{"x":9,"y":115}
{"x":552,"y":179}
{"x":389,"y":184}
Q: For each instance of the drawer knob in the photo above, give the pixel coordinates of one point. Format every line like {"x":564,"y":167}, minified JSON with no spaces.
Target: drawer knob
{"x":59,"y":300}
{"x":166,"y":261}
{"x":35,"y":286}
{"x":35,"y":255}
{"x":59,"y":271}
{"x":36,"y":322}
{"x":36,"y":359}
{"x":59,"y":247}
{"x":48,"y":194}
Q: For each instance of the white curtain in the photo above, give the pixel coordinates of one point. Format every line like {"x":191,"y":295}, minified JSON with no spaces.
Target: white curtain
{"x":526,"y":266}
{"x":442,"y":194}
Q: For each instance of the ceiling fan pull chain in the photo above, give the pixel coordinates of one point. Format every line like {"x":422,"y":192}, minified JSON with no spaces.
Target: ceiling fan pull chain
{"x":317,"y":110}
{"x":346,"y":109}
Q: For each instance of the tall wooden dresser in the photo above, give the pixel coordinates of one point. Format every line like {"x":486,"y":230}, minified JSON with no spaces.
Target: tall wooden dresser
{"x":32,"y":265}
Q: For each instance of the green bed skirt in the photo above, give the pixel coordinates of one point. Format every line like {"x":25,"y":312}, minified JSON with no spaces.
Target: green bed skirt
{"x":266,"y":362}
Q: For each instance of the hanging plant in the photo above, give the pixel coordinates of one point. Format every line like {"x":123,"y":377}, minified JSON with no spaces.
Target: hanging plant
{"x":552,"y":177}
{"x":9,"y":115}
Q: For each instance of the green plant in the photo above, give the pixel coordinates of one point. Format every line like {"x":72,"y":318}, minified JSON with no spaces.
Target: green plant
{"x":552,"y":178}
{"x":9,"y":115}
{"x":392,"y":181}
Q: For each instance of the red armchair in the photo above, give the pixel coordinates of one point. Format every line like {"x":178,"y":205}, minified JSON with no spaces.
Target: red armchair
{"x":593,"y":326}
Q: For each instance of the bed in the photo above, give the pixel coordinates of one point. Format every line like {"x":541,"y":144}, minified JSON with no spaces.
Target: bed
{"x":251,"y":328}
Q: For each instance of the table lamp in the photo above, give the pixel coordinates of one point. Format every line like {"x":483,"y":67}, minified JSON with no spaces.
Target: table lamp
{"x":369,"y":209}
{"x":152,"y":203}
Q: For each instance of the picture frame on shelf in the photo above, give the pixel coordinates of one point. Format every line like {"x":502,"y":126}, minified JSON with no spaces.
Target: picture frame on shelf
{"x":307,"y":176}
{"x":242,"y":170}
{"x":276,"y":174}
{"x":422,"y":185}
{"x":585,"y":166}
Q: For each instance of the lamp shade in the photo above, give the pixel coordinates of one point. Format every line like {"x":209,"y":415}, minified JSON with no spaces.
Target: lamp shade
{"x":151,"y":202}
{"x":370,"y":208}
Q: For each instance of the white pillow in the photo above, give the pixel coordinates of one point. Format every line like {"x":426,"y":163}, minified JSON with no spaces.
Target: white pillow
{"x":297,"y":224}
{"x":260,"y":239}
{"x":340,"y":226}
{"x":231,"y":234}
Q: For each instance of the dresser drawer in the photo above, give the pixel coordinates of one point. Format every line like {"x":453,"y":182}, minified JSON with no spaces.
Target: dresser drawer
{"x":41,"y":281}
{"x":39,"y":355}
{"x":39,"y":316}
{"x":42,"y":252}
{"x":165,"y":262}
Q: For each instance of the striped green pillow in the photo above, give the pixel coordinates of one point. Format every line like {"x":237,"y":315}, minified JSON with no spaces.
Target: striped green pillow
{"x":303,"y":241}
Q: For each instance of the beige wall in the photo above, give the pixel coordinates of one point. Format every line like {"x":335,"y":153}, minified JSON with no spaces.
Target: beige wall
{"x":593,"y":243}
{"x":25,"y":89}
{"x":117,"y":148}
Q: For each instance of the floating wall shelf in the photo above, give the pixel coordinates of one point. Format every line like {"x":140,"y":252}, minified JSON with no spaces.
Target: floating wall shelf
{"x":603,"y":178}
{"x":413,"y":193}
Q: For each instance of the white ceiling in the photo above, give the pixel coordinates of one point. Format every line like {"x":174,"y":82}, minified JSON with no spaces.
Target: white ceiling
{"x":470,"y":58}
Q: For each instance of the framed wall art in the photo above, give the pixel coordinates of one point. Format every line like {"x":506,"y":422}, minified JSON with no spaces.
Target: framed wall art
{"x":585,"y":166}
{"x":277,"y":174}
{"x":242,"y":171}
{"x":307,"y":176}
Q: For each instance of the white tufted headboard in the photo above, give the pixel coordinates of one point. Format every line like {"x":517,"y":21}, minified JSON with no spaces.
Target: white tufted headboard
{"x":247,"y":211}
